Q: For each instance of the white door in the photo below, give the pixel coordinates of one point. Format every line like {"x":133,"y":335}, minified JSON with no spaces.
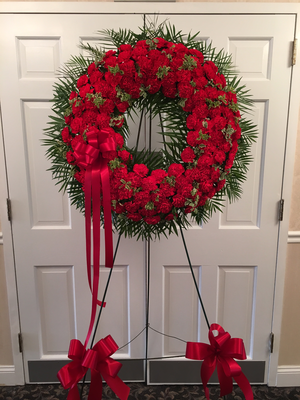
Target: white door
{"x":54,"y":298}
{"x":234,"y":255}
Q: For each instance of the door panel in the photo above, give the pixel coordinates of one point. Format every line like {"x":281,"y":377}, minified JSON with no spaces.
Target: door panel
{"x":234,"y":255}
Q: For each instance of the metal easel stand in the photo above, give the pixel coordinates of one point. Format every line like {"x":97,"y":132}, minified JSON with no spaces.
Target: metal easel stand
{"x":100,"y":311}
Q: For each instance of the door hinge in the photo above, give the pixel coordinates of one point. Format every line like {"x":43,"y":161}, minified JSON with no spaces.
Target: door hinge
{"x":20,"y":341}
{"x":8,"y":206}
{"x":294,"y":56}
{"x":271,"y":342}
{"x":280,"y":211}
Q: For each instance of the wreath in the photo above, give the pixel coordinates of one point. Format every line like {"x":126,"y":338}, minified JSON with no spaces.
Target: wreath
{"x":198,"y":98}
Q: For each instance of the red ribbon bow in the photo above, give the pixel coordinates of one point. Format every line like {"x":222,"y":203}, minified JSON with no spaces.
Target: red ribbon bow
{"x":220,"y":353}
{"x":107,"y":368}
{"x":101,"y":364}
{"x":89,"y":156}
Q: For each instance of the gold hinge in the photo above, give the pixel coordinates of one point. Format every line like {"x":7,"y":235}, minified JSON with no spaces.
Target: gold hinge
{"x":294,"y":51}
{"x":20,"y":340}
{"x":8,"y":206}
{"x":271,"y":342}
{"x":280,"y":210}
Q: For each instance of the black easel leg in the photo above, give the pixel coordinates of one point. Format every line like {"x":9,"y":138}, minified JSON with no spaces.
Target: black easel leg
{"x":195,"y":282}
{"x":194,"y":278}
{"x":147,"y":306}
{"x":101,"y":307}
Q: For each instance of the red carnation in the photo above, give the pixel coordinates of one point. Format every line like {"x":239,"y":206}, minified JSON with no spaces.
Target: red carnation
{"x":192,"y":137}
{"x":84,"y":90}
{"x":134,"y":217}
{"x":193,"y":122}
{"x":109,"y":155}
{"x":122,"y":106}
{"x":189,"y":105}
{"x":110,"y":61}
{"x":65,"y":134}
{"x":149,"y":183}
{"x":210,"y":69}
{"x":125,"y":47}
{"x":78,"y":108}
{"x":169,"y":217}
{"x":103,"y":120}
{"x":89,"y":117}
{"x":68,"y":119}
{"x":91,"y":68}
{"x":158,"y":175}
{"x":154,"y":84}
{"x":70,"y":157}
{"x":207,"y":186}
{"x":164,"y":207}
{"x":160,"y":42}
{"x":76,"y":125}
{"x":112,"y":79}
{"x":215,"y":175}
{"x":188,"y":155}
{"x":220,"y":80}
{"x":178,"y":201}
{"x":119,"y":139}
{"x":166,"y":190}
{"x":124,"y":193}
{"x":152,"y":220}
{"x":80,"y":176}
{"x":95,"y":76}
{"x":220,"y":156}
{"x":169,"y":90}
{"x":82,"y":81}
{"x":220,"y":184}
{"x":124,"y":155}
{"x":72,"y":95}
{"x":140,"y":169}
{"x":124,"y":56}
{"x":175,"y":170}
{"x":185,"y":90}
{"x":108,"y":106}
{"x":198,"y":54}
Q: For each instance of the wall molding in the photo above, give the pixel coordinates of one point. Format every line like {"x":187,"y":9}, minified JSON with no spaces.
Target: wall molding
{"x":7,"y":375}
{"x":294,"y":237}
{"x":288,"y":375}
{"x":1,"y":238}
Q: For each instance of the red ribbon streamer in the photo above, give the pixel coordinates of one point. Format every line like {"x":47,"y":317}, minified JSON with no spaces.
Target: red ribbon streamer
{"x":101,"y":364}
{"x":89,"y":156}
{"x":220,"y":354}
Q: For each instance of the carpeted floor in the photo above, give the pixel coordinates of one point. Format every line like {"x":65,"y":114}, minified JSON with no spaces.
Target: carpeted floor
{"x":142,"y":392}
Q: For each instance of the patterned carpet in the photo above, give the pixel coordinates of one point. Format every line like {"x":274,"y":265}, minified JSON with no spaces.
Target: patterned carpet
{"x":142,"y":392}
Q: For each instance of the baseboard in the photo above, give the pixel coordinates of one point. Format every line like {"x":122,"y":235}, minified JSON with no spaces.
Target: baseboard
{"x":288,"y":375}
{"x":7,"y":375}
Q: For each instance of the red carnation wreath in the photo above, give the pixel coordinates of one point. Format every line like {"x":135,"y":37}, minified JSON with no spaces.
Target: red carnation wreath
{"x":203,"y":137}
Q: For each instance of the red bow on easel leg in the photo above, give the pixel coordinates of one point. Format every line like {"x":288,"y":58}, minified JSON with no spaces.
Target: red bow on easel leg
{"x":220,"y":354}
{"x":100,"y":363}
{"x":72,"y":373}
{"x":107,"y":368}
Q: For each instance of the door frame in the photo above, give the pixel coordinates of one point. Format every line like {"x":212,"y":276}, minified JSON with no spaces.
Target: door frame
{"x":15,"y":374}
{"x":9,"y":374}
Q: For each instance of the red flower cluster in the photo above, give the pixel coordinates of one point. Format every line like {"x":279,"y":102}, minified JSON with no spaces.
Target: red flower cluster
{"x":112,"y":85}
